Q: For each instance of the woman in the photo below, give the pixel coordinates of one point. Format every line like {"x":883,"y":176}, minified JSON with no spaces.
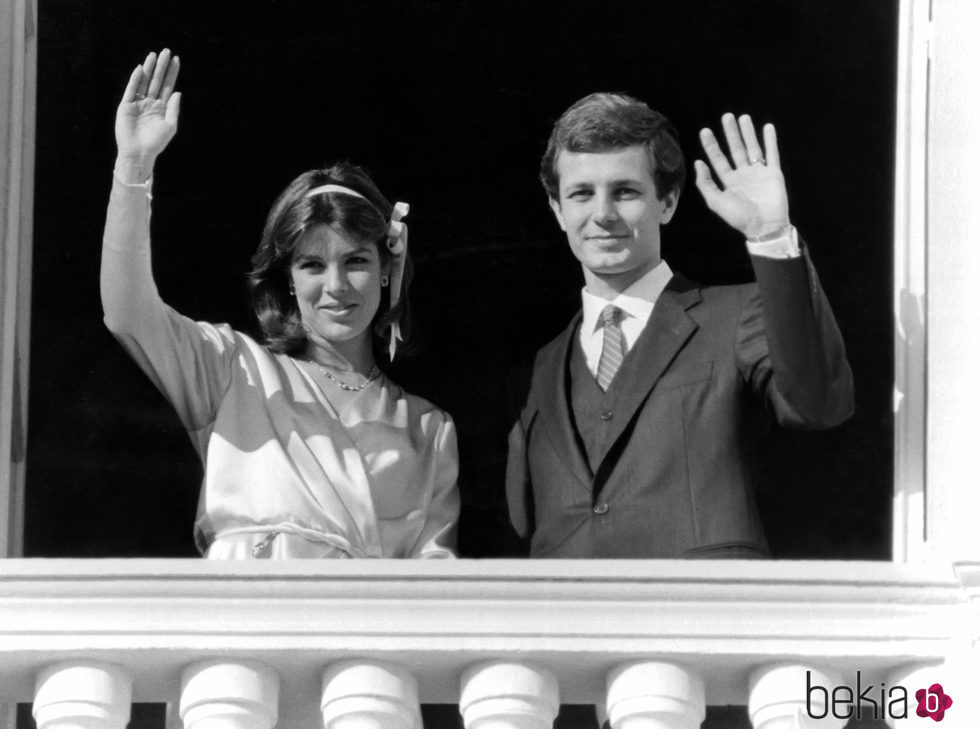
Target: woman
{"x":309,"y":450}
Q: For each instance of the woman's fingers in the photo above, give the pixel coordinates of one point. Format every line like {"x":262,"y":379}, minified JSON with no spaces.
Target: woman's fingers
{"x":159,"y":73}
{"x":132,"y":85}
{"x":155,"y":78}
{"x":148,"y":66}
{"x":170,"y":80}
{"x":173,"y":108}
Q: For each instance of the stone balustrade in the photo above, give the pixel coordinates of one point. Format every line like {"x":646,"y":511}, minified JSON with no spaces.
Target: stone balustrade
{"x":496,"y":694}
{"x":362,"y":645}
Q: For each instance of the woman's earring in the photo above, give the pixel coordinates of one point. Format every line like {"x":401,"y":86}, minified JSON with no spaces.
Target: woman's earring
{"x":384,"y":281}
{"x":292,"y":289}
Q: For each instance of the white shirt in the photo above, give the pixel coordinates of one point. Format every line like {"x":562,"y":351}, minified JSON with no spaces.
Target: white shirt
{"x":636,"y":303}
{"x":638,"y":299}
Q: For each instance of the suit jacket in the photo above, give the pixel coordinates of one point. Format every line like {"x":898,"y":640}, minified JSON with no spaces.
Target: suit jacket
{"x":679,"y":460}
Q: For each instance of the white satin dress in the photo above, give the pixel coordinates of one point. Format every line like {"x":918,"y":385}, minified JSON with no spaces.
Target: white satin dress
{"x":285,"y":474}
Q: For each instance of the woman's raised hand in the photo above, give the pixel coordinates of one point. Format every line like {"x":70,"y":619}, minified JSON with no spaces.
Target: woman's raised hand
{"x":146,"y":119}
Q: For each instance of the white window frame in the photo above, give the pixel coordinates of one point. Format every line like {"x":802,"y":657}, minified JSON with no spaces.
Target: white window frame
{"x":18,"y":86}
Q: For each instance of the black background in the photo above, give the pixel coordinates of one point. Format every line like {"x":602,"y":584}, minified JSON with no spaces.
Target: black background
{"x":449,"y":105}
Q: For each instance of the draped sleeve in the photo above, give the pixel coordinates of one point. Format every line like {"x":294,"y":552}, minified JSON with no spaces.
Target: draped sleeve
{"x":438,"y":537}
{"x":189,"y":362}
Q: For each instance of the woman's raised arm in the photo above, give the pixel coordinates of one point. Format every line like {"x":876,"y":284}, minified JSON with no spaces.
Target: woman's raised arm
{"x":187,"y":361}
{"x":146,"y":121}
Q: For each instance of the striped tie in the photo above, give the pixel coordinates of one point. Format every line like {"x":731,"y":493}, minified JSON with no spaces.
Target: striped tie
{"x":612,"y":346}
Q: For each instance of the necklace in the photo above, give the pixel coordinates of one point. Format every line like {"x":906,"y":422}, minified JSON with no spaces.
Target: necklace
{"x":372,"y":375}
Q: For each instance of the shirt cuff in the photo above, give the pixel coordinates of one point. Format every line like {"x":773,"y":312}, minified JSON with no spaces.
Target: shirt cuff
{"x":783,"y":243}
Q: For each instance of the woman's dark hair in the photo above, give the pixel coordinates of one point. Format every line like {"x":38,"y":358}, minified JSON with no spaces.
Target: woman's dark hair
{"x":602,"y":122}
{"x":293,"y":213}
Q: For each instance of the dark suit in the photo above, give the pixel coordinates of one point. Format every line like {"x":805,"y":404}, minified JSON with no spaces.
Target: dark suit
{"x":678,"y":449}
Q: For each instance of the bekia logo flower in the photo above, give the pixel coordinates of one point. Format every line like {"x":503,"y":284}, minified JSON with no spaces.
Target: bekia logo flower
{"x":933,"y":702}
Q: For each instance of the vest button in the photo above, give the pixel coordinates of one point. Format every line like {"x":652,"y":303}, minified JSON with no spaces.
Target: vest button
{"x":600,"y":509}
{"x":606,"y":415}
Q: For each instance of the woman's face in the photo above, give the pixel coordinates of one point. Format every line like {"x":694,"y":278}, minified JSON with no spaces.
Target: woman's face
{"x":338,"y":283}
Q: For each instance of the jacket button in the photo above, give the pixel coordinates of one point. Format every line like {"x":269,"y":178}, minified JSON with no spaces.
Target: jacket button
{"x":606,"y":415}
{"x":600,"y":509}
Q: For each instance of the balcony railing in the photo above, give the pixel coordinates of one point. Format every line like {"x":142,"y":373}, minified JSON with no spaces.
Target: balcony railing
{"x":362,"y":643}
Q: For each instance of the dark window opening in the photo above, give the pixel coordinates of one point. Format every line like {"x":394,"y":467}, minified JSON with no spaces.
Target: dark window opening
{"x":449,"y":105}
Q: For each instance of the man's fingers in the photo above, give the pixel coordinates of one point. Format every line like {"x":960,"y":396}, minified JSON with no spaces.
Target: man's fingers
{"x":734,"y":139}
{"x":772,"y":149}
{"x":705,"y":183}
{"x":713,"y":151}
{"x":752,"y":148}
{"x":170,"y":80}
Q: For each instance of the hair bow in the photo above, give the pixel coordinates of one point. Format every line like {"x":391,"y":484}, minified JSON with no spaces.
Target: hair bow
{"x":398,"y":247}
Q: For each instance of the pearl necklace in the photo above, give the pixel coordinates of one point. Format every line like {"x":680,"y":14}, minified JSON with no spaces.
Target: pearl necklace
{"x":372,"y":375}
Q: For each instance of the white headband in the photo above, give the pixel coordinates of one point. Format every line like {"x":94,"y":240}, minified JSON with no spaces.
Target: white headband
{"x":397,"y":246}
{"x":334,"y":188}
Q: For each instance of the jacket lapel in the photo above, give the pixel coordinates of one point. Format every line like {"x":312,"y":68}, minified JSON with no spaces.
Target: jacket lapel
{"x":665,"y":334}
{"x":558,"y":420}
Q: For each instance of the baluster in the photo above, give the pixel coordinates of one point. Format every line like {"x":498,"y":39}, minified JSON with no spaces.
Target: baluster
{"x":654,"y":695}
{"x":366,"y":694}
{"x":82,"y":695}
{"x":222,"y":694}
{"x":923,"y":677}
{"x":794,"y":696}
{"x":508,"y":695}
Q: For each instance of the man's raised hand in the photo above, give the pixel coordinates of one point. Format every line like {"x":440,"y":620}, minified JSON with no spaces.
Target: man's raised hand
{"x":751,"y":196}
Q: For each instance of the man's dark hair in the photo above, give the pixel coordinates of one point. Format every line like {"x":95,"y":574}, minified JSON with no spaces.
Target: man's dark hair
{"x":602,"y":122}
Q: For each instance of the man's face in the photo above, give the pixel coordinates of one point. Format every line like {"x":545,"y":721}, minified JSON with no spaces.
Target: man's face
{"x":607,"y":205}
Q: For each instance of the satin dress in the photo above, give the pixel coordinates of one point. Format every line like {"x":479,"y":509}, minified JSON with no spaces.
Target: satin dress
{"x":287,"y":475}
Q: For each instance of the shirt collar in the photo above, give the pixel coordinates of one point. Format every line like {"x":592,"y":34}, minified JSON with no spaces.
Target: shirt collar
{"x":636,"y":301}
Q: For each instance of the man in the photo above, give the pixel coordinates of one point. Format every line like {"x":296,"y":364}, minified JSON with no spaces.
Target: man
{"x":640,"y":434}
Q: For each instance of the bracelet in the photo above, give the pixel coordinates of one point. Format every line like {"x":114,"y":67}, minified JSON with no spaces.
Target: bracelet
{"x":146,"y":187}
